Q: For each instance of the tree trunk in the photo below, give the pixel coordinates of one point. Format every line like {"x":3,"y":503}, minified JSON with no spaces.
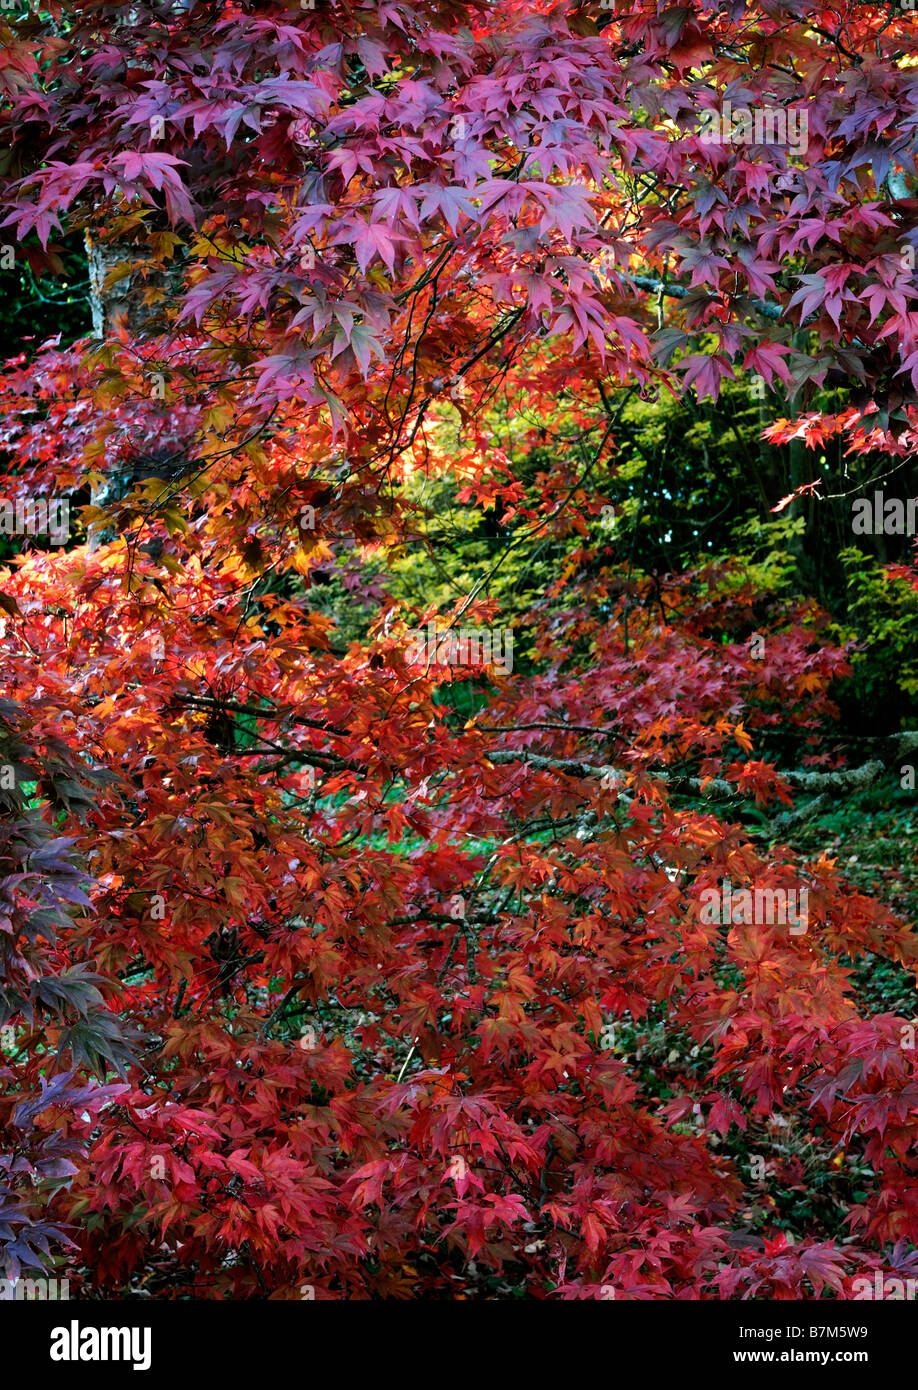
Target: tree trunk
{"x":122,"y":302}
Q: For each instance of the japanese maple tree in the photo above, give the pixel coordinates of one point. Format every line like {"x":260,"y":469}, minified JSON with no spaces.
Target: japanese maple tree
{"x":330,"y":972}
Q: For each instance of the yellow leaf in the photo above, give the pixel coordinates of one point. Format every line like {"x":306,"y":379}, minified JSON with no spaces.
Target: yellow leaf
{"x":118,"y":272}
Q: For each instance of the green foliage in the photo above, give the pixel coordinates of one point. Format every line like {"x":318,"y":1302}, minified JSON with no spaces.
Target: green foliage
{"x":36,"y":305}
{"x":882,"y":615}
